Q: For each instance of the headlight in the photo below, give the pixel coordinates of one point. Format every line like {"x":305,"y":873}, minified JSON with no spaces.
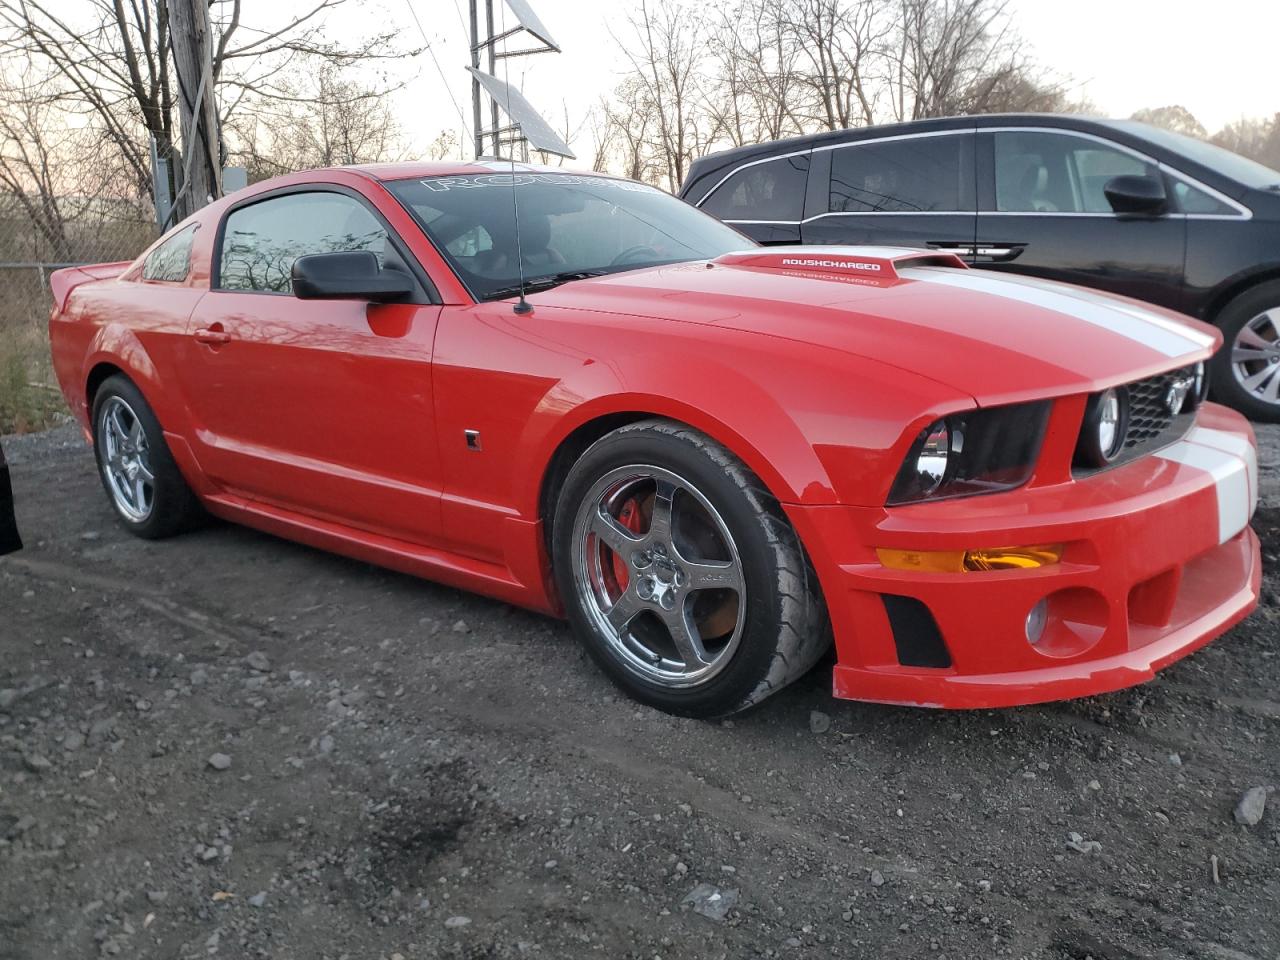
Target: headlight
{"x":981,"y":451}
{"x":1106,"y":421}
{"x":935,"y":454}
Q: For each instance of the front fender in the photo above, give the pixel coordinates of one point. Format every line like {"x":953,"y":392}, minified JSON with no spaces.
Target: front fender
{"x":817,"y":426}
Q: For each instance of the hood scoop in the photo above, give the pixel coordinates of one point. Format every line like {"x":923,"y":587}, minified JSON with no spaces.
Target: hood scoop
{"x":856,"y":263}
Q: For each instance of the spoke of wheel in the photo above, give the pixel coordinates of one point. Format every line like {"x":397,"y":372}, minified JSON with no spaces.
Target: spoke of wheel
{"x":615,"y":536}
{"x":140,"y":494}
{"x":708,"y":575}
{"x":660,"y":518}
{"x":1245,"y":354}
{"x":1265,"y":383}
{"x":1252,"y":339}
{"x":117,"y":425}
{"x":144,"y":470}
{"x":1273,"y":321}
{"x":136,"y":434}
{"x":624,"y":610}
{"x":685,"y":636}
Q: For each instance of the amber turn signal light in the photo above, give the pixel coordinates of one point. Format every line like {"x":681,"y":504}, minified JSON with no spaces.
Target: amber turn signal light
{"x":963,"y":561}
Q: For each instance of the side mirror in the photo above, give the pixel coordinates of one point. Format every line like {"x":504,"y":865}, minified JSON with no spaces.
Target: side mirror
{"x":1134,"y":194}
{"x":354,"y":275}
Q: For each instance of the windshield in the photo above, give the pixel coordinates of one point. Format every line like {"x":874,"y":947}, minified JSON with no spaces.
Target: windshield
{"x":569,"y":224}
{"x":1216,"y":158}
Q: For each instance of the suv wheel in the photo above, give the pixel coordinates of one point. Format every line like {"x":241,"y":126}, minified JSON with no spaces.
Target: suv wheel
{"x":1246,"y":371}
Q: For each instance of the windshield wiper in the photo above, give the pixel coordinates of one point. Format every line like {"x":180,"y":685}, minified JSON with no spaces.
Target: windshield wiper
{"x":534,"y":284}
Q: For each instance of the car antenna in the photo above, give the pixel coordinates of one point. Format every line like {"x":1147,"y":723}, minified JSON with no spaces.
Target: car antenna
{"x":522,"y":306}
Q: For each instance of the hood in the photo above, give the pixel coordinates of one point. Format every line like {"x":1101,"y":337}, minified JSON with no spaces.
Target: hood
{"x":997,"y":337}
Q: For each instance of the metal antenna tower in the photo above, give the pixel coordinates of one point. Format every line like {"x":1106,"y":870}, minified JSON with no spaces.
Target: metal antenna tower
{"x":490,"y":138}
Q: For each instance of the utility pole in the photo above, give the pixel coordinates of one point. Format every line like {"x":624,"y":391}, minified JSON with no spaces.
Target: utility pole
{"x":200,"y":172}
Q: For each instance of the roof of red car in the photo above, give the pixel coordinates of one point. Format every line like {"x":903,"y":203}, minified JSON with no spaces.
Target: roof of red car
{"x":446,"y":168}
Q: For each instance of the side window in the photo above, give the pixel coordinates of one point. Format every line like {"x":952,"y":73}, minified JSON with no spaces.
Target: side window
{"x":1048,"y":172}
{"x":261,"y":241}
{"x":912,"y":175}
{"x":1194,"y":200}
{"x":764,"y":191}
{"x":171,"y":261}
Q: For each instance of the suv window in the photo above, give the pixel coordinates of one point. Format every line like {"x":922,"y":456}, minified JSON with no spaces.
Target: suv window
{"x":171,"y":261}
{"x":1193,"y":200}
{"x":1050,"y":172}
{"x":915,"y":174}
{"x":261,"y":241}
{"x":764,"y":191}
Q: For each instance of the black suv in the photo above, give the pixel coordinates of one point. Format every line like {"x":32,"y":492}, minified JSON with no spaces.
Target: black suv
{"x":8,"y":525}
{"x":1112,"y":204}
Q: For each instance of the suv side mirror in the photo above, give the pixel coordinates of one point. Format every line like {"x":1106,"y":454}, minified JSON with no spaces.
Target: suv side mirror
{"x":353,"y":275}
{"x":1135,"y":194}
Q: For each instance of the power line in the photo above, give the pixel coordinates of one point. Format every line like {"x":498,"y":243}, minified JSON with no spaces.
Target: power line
{"x":466,"y":130}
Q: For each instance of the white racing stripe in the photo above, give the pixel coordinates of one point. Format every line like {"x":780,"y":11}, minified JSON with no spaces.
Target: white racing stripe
{"x":1151,"y":330}
{"x":1232,"y":461}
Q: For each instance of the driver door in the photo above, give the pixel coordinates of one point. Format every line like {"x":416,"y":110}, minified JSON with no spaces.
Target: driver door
{"x":320,"y":407}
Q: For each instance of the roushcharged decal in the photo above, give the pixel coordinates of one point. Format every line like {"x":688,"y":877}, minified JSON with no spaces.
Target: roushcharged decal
{"x":838,"y":264}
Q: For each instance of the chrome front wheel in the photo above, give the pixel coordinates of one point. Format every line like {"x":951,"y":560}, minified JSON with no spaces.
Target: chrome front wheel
{"x":659,"y":573}
{"x":125,"y":456}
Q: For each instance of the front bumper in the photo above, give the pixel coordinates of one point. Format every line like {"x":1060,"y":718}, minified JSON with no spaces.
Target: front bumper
{"x":1159,"y":560}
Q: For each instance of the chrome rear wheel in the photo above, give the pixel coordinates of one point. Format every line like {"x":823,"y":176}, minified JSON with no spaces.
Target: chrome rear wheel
{"x":125,"y":457}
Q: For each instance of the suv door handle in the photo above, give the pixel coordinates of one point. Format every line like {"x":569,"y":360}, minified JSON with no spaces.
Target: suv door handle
{"x":962,"y":248}
{"x":998,"y":251}
{"x":213,"y":335}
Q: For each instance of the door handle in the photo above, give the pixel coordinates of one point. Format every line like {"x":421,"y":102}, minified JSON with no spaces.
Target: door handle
{"x":964,"y":249}
{"x":213,"y":335}
{"x":999,"y":251}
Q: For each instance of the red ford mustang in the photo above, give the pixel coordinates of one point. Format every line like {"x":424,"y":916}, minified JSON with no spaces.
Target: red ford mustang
{"x":714,"y":458}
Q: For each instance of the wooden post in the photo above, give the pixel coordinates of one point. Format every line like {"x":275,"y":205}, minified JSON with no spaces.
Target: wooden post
{"x":201,"y":167}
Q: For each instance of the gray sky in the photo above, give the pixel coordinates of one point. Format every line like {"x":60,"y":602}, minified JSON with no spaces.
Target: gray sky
{"x":1219,"y":60}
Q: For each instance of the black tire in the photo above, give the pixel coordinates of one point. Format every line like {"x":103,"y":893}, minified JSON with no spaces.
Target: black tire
{"x":784,"y":629}
{"x":1224,"y":382}
{"x":174,"y":508}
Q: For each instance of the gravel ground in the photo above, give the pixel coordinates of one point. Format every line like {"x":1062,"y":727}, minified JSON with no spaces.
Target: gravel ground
{"x":229,"y":745}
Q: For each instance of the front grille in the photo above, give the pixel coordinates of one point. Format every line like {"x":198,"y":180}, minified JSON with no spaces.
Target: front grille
{"x":1151,"y":425}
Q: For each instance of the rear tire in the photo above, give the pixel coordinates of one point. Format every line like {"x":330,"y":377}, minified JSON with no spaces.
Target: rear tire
{"x":1246,"y":371}
{"x":146,"y":490}
{"x":681,"y":574}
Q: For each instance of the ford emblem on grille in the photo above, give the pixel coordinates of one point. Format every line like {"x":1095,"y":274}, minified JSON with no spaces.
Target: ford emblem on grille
{"x":1176,"y":395}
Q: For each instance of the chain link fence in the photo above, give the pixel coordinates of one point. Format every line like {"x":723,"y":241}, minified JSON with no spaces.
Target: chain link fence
{"x":38,"y":236}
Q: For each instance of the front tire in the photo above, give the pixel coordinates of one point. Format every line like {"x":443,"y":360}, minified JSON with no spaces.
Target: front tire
{"x":142,"y":481}
{"x":681,"y":575}
{"x":1246,"y":371}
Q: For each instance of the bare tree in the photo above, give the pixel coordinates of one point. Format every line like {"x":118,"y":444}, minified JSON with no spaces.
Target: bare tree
{"x":115,"y":59}
{"x":321,"y":121}
{"x":666,"y":50}
{"x":58,"y":170}
{"x":756,"y":92}
{"x":444,"y":146}
{"x":1174,"y":117}
{"x":1257,"y":138}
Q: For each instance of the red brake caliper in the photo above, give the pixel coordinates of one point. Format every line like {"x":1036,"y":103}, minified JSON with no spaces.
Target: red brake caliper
{"x":631,"y":518}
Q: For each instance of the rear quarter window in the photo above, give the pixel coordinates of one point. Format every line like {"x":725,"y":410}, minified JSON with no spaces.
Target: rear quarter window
{"x":763,"y":191}
{"x":171,"y":261}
